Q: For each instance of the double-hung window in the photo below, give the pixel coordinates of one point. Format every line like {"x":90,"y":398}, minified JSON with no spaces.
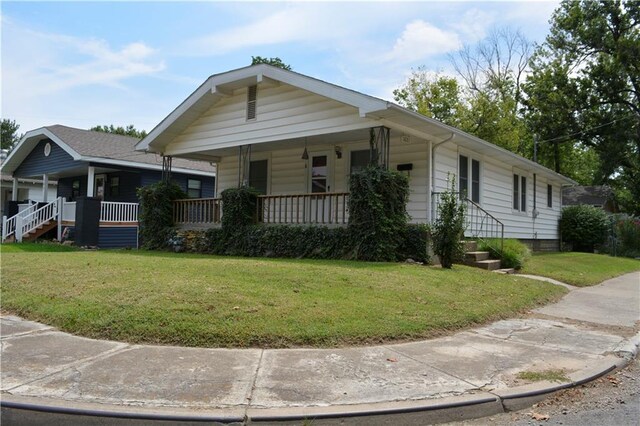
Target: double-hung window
{"x":194,"y":188}
{"x":469,"y":184}
{"x":259,"y":175}
{"x":519,"y":193}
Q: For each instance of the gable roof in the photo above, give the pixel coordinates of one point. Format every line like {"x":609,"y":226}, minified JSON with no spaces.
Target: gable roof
{"x":591,"y":195}
{"x":98,"y":147}
{"x":220,"y":86}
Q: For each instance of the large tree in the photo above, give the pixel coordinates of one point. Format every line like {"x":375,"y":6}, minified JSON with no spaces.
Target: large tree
{"x":596,"y":45}
{"x":9,"y":133}
{"x":276,"y":62}
{"x":130,"y":130}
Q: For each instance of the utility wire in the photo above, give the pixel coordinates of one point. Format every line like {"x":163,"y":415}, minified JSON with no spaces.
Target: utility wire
{"x":585,"y":131}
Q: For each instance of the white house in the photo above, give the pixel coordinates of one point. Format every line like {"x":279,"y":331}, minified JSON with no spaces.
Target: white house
{"x":297,"y":139}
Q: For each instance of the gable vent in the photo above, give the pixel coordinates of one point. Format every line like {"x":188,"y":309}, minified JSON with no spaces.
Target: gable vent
{"x":252,"y":95}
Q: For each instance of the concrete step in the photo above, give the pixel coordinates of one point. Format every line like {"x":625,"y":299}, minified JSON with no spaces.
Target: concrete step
{"x":489,"y":265}
{"x":476,"y":256}
{"x":470,"y":246}
{"x":505,"y":271}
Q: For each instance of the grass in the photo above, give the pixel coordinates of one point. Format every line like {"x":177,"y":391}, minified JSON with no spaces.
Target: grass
{"x":548,"y":375}
{"x":579,"y":269}
{"x":208,"y":301}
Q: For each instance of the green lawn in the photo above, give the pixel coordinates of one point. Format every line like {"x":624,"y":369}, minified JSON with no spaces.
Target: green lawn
{"x":579,"y":269}
{"x":197,"y":300}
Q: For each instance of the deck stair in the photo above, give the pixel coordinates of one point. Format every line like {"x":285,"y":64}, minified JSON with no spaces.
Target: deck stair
{"x":40,"y":230}
{"x":479,"y":259}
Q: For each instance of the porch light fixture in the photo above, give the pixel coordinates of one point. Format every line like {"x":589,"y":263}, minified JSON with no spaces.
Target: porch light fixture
{"x":305,"y":154}
{"x":338,"y":151}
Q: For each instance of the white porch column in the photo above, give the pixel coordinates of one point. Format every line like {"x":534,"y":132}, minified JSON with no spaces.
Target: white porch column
{"x":45,"y":187}
{"x":14,"y":190}
{"x":91,"y":177}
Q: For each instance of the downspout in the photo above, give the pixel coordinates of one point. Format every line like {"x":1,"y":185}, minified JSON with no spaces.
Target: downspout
{"x":432,"y":185}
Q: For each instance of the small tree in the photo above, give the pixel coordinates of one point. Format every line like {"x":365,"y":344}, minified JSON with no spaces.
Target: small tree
{"x":448,"y":229}
{"x":276,"y":62}
{"x":9,"y":134}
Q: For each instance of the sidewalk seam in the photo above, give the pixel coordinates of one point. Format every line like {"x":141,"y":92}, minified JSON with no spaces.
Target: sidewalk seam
{"x":253,"y":387}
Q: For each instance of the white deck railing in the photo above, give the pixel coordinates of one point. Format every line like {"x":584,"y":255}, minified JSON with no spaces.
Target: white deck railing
{"x":118,"y":212}
{"x":9,"y":225}
{"x":31,"y":221}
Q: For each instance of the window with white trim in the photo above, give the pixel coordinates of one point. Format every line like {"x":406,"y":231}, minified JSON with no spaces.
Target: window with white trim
{"x":194,"y":188}
{"x":519,"y":193}
{"x":469,"y":185}
{"x":259,"y":175}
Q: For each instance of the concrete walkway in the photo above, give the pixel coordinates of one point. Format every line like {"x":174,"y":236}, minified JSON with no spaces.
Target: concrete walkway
{"x":469,"y":374}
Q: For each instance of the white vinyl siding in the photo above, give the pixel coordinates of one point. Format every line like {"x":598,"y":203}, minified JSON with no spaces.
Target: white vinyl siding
{"x":285,"y":112}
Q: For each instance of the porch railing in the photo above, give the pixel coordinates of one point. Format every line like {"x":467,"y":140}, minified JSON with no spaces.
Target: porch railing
{"x":327,"y":208}
{"x":111,"y":211}
{"x":478,"y":222}
{"x":38,"y":217}
{"x":69,"y":211}
{"x":9,"y":225}
{"x":197,"y":211}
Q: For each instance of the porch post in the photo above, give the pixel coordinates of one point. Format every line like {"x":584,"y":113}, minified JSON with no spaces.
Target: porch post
{"x":91,"y":177}
{"x":14,"y":189}
{"x":244,"y":159}
{"x":45,"y":187}
{"x":60,"y":206}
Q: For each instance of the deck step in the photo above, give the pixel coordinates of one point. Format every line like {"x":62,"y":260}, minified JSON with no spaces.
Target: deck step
{"x":470,"y":246}
{"x":489,"y":265}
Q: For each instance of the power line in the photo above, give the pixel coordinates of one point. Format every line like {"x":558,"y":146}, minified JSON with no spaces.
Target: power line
{"x":585,"y":131}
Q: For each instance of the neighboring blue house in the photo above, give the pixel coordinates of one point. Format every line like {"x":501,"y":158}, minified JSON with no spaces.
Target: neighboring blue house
{"x":90,"y":164}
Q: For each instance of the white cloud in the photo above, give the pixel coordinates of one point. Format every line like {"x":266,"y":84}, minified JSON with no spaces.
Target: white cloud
{"x":420,"y":40}
{"x":473,"y":25}
{"x":41,"y":70}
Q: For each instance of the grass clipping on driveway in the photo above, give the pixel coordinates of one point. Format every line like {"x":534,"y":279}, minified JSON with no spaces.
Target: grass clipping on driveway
{"x":206,"y":301}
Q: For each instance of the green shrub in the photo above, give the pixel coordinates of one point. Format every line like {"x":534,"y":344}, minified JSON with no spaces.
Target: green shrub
{"x":239,"y":207}
{"x":624,"y":236}
{"x":156,"y":213}
{"x":513,"y":253}
{"x":285,"y":241}
{"x":448,"y":229}
{"x":377,"y":212}
{"x":584,"y":227}
{"x":415,"y":243}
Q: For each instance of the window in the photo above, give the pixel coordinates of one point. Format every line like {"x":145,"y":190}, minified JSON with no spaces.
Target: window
{"x":252,"y":96}
{"x":463,"y":180}
{"x":475,"y":181}
{"x":258,"y":174}
{"x":549,"y":196}
{"x":319,"y":175}
{"x":75,"y":189}
{"x":114,"y":186}
{"x":359,"y":160}
{"x":194,"y":188}
{"x":519,"y":193}
{"x":473,"y":192}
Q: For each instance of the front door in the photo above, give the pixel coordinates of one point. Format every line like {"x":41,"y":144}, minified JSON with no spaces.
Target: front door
{"x":99,"y":185}
{"x":320,"y":184}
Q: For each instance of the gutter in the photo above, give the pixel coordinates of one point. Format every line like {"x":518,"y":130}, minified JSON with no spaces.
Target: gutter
{"x":432,"y":185}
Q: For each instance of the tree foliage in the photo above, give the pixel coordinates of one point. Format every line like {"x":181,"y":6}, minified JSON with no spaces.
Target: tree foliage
{"x":129,"y":130}
{"x":448,"y":229}
{"x":9,"y":133}
{"x":585,"y":86}
{"x":276,"y":62}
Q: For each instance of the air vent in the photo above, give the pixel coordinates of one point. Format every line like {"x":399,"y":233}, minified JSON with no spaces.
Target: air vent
{"x":252,"y":95}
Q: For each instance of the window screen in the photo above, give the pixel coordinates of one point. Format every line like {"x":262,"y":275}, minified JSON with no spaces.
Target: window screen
{"x":194,"y":188}
{"x":463,"y":181}
{"x":475,"y":181}
{"x":359,"y":160}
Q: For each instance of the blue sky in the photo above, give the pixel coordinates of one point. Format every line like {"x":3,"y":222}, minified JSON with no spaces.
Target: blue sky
{"x":87,"y":63}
